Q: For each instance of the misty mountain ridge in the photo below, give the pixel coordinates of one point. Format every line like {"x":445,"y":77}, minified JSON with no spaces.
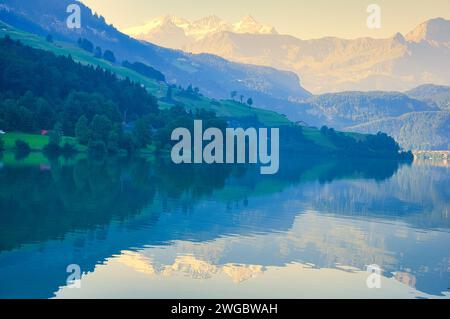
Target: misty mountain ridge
{"x":438,"y":94}
{"x":186,"y":31}
{"x":418,"y":119}
{"x":329,"y":64}
{"x":432,"y":31}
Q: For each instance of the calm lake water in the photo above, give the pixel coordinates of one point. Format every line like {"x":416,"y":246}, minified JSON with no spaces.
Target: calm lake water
{"x":148,"y":229}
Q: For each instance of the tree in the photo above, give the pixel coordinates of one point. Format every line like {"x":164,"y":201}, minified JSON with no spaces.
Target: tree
{"x":126,"y":143}
{"x":22,"y":149}
{"x":44,"y":115}
{"x":68,"y":148}
{"x":100,"y":127}
{"x":250,"y":101}
{"x":98,"y":52}
{"x":97,"y":149}
{"x":169,"y":97}
{"x":22,"y":146}
{"x":141,"y":133}
{"x":145,"y":70}
{"x":49,"y":38}
{"x":85,"y":44}
{"x":2,"y":144}
{"x":55,"y":135}
{"x":108,"y":55}
{"x":233,"y":94}
{"x":113,"y":142}
{"x":82,"y":132}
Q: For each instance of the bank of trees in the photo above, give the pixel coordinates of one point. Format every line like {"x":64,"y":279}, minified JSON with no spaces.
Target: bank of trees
{"x":40,"y":91}
{"x":379,"y":144}
{"x":145,"y":70}
{"x":88,"y":46}
{"x":233,"y":95}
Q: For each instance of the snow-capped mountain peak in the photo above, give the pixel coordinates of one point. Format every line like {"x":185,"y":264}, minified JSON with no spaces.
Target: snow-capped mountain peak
{"x":211,"y":21}
{"x":198,"y":29}
{"x":160,"y":22}
{"x":206,"y":26}
{"x":327,"y":64}
{"x":250,"y":25}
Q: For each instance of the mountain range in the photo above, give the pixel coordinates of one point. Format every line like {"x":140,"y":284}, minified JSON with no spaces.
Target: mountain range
{"x":215,"y":76}
{"x":418,"y":118}
{"x":173,"y":32}
{"x":328,"y":64}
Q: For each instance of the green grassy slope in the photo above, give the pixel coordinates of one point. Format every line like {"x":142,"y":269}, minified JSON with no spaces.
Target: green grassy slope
{"x":35,"y":141}
{"x":79,"y":55}
{"x":231,"y":109}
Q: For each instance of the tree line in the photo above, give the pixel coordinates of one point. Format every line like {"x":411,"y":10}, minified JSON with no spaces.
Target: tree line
{"x":88,"y":46}
{"x":233,"y":95}
{"x":41,"y":91}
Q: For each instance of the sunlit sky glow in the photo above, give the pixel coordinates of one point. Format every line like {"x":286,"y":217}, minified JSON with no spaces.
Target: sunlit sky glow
{"x":302,"y":18}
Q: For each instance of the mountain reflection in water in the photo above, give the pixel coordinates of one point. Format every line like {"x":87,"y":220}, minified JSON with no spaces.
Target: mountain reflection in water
{"x":151,"y":229}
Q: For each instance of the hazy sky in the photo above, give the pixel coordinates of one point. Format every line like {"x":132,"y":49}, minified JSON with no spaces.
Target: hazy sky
{"x":302,"y":18}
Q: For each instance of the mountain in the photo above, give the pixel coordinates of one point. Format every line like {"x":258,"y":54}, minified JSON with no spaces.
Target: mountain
{"x":250,"y":25}
{"x":352,"y":108}
{"x":174,"y":32}
{"x":332,"y":64}
{"x":166,"y":31}
{"x":417,"y":119}
{"x":416,"y":130}
{"x":433,"y":31}
{"x":216,"y":76}
{"x":438,"y":94}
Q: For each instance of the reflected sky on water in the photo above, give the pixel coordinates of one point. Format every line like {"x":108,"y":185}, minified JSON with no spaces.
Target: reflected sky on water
{"x":149,"y":229}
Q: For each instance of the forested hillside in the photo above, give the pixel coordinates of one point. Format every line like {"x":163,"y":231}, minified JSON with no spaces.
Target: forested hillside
{"x":417,"y":130}
{"x":438,"y":94}
{"x":42,"y":91}
{"x":417,"y":119}
{"x":350,"y":108}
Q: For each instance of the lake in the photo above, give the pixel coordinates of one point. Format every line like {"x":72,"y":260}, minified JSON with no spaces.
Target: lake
{"x":145,"y":228}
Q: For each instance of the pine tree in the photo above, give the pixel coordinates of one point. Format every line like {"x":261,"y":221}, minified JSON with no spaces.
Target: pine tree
{"x":82,"y":131}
